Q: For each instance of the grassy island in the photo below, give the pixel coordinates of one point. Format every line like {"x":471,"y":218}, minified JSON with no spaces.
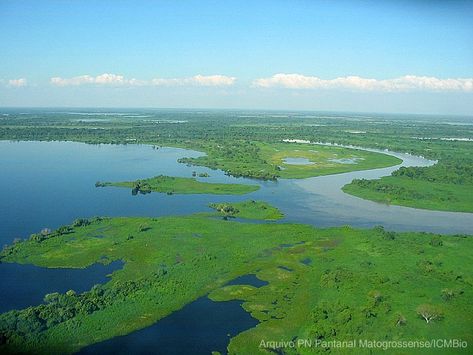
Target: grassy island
{"x":180,"y":185}
{"x":248,"y":209}
{"x":330,"y":284}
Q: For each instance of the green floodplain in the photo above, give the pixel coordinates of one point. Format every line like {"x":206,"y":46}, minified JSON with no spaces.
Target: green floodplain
{"x":326,"y":284}
{"x":335,"y":283}
{"x":247,"y":144}
{"x":180,"y":185}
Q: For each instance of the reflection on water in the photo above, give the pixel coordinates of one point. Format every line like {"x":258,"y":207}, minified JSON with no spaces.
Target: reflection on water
{"x":26,"y":285}
{"x":199,"y":328}
{"x":249,"y":279}
{"x":203,"y":326}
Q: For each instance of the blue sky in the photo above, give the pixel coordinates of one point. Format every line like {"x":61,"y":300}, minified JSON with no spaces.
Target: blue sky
{"x":384,"y":56}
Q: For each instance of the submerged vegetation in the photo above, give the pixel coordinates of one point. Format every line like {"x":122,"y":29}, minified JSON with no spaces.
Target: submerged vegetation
{"x":370,"y":283}
{"x":179,"y":185}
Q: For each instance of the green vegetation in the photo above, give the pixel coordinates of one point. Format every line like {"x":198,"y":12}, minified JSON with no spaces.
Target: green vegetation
{"x":248,"y":209}
{"x":336,"y":283}
{"x":441,"y":187}
{"x":267,"y":160}
{"x":180,"y":185}
{"x":323,"y":160}
{"x":241,"y":144}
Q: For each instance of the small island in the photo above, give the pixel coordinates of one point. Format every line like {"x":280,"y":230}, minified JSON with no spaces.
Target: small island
{"x":179,"y":185}
{"x":248,"y":210}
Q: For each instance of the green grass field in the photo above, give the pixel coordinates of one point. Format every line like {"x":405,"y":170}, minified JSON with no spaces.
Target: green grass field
{"x":324,"y":160}
{"x":331,"y":284}
{"x":414,"y":193}
{"x":180,"y":185}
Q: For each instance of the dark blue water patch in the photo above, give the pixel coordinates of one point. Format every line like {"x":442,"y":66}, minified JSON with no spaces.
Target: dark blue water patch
{"x":199,"y":328}
{"x":247,"y":220}
{"x":285,"y":268}
{"x":291,"y":245}
{"x":306,"y":261}
{"x":249,"y":279}
{"x":26,"y":285}
{"x":286,"y":245}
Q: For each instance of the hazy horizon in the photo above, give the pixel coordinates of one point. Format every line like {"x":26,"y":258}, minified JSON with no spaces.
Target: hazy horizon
{"x":361,"y":56}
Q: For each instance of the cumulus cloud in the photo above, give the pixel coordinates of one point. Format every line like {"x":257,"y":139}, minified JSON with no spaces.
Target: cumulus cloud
{"x":197,"y":80}
{"x":213,"y":80}
{"x":120,"y":80}
{"x":404,"y":83}
{"x":17,"y":82}
{"x":104,"y":79}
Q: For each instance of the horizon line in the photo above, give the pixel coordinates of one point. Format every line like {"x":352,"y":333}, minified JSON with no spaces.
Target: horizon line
{"x":230,"y":109}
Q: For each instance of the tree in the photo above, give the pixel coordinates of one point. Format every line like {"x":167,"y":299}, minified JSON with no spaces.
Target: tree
{"x":81,"y":222}
{"x":429,"y":312}
{"x":143,"y":227}
{"x":436,"y":241}
{"x":375,"y":296}
{"x":400,"y":320}
{"x":447,"y":294}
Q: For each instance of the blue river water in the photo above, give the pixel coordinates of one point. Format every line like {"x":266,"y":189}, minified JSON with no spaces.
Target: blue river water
{"x":49,"y":184}
{"x":25,"y":285}
{"x":198,"y":328}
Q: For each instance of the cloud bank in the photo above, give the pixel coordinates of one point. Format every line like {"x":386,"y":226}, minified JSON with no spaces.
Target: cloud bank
{"x":404,"y":83}
{"x":120,"y":80}
{"x":17,"y":82}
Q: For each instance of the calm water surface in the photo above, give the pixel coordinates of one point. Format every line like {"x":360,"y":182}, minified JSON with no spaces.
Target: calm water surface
{"x":26,"y":285}
{"x":49,"y":184}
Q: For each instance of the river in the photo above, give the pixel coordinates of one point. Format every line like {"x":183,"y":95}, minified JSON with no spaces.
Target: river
{"x":49,"y":184}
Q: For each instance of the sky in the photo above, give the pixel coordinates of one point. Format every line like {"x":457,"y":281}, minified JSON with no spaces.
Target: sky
{"x":369,"y":56}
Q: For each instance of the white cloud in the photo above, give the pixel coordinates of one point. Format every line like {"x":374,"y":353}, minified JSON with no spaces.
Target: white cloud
{"x":213,"y":80}
{"x":17,"y":82}
{"x":120,"y":80}
{"x":104,"y":79}
{"x":197,"y":80}
{"x":404,"y":83}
